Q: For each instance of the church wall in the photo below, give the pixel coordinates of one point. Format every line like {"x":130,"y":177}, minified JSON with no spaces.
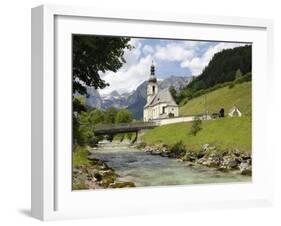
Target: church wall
{"x":167,"y":121}
{"x":173,"y":110}
{"x":156,"y":112}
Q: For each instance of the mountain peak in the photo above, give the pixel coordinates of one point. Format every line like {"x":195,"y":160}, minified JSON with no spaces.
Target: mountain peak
{"x":136,"y":99}
{"x":114,"y":93}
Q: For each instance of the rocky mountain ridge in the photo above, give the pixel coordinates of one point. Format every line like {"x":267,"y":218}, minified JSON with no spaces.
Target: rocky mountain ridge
{"x":135,"y":100}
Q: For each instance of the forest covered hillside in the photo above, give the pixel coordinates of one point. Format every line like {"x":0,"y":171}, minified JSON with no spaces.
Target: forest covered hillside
{"x":225,"y":66}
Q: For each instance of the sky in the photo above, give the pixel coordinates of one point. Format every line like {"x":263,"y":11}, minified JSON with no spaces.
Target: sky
{"x":170,"y":57}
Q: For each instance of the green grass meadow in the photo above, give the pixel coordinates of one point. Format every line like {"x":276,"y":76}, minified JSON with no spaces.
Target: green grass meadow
{"x":239,"y":95}
{"x":224,"y":133}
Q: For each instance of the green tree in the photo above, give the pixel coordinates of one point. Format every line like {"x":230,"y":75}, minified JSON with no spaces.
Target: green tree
{"x":238,"y":74}
{"x":124,"y":116}
{"x":221,"y":68}
{"x":96,"y":116}
{"x":110,"y":115}
{"x":79,"y":105}
{"x":84,"y":130}
{"x":93,"y":55}
{"x":109,"y":118}
{"x":196,"y":126}
{"x":86,"y":124}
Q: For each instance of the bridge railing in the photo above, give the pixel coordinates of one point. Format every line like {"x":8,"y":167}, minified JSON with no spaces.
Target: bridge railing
{"x":125,"y":125}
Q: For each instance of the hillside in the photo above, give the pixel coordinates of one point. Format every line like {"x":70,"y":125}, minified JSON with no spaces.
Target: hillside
{"x":240,"y":95}
{"x":223,"y":67}
{"x":223,"y":133}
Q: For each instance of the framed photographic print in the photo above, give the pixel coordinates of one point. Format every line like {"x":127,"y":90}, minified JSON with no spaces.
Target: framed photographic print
{"x":137,"y":113}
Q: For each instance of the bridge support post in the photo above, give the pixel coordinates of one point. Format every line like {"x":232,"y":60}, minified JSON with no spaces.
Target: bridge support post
{"x":136,"y":138}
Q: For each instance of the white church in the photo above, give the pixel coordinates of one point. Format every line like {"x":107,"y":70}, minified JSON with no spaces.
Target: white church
{"x":160,"y":103}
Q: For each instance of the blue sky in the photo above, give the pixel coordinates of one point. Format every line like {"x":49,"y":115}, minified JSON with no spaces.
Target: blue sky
{"x":171,"y":57}
{"x":166,"y":68}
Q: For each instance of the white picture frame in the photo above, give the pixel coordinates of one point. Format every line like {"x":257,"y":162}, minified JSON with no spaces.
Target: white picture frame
{"x":52,"y":197}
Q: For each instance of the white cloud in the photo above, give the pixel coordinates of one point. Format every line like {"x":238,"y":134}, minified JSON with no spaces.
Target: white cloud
{"x":197,"y":64}
{"x":173,"y":52}
{"x":127,"y":78}
{"x":131,"y":74}
{"x":138,"y":61}
{"x":132,"y":56}
{"x":148,"y":49}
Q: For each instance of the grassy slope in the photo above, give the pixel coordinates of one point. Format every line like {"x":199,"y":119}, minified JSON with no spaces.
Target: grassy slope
{"x":225,"y":98}
{"x":224,"y":133}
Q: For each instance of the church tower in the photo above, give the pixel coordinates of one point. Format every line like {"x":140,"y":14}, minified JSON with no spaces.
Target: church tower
{"x":152,"y":87}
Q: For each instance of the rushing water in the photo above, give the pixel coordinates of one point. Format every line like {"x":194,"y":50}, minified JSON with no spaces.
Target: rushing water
{"x":145,"y":169}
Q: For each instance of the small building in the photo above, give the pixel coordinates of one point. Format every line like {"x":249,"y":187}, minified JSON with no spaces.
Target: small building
{"x":234,"y":111}
{"x":160,"y":104}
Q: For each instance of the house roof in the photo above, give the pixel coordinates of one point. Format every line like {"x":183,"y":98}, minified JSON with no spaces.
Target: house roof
{"x":163,"y":96}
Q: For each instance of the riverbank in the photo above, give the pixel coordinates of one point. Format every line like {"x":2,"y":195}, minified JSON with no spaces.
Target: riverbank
{"x":207,"y":155}
{"x":92,"y":173}
{"x":145,"y":169}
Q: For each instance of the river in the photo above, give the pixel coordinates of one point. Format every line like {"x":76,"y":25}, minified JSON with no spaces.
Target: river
{"x":145,"y":169}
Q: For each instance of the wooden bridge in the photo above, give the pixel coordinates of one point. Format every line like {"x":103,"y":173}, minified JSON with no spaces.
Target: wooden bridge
{"x":111,"y":129}
{"x":108,"y":129}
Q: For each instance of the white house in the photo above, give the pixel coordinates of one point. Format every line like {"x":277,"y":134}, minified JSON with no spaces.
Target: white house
{"x":234,"y":111}
{"x":160,"y":104}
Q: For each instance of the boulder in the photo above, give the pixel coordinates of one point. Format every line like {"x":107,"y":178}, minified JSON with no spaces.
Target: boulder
{"x":164,"y":154}
{"x":189,"y":156}
{"x":233,"y":164}
{"x":245,"y":169}
{"x":211,"y":162}
{"x":97,"y":176}
{"x":201,"y":160}
{"x":230,"y":162}
{"x":204,"y":147}
{"x":223,"y":169}
{"x":246,"y":156}
{"x":237,"y":153}
{"x":156,"y":152}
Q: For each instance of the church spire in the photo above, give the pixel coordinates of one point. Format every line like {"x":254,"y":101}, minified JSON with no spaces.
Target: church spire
{"x":152,"y":77}
{"x":152,"y":69}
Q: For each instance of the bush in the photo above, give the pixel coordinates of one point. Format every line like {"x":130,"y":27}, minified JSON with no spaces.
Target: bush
{"x":246,"y":78}
{"x":109,"y":137}
{"x":196,"y":126}
{"x":231,"y":85}
{"x":129,"y":136}
{"x":93,"y":140}
{"x":80,"y":156}
{"x":178,"y":149}
{"x":141,"y":145}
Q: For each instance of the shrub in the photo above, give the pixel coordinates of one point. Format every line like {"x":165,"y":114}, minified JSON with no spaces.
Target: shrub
{"x":80,"y":156}
{"x":129,"y":136}
{"x":178,"y":149}
{"x":196,"y":126}
{"x":109,"y":137}
{"x":141,"y":145}
{"x":93,"y":140}
{"x":231,"y":85}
